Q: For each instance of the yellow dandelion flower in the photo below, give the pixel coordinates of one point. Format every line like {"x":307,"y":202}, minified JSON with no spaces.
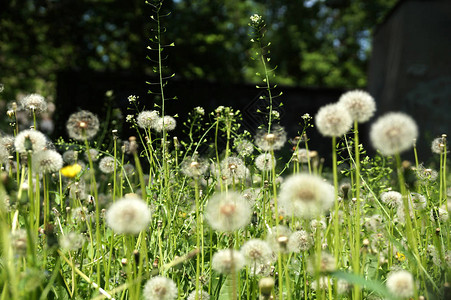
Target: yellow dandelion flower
{"x":400,"y":256}
{"x":71,"y":170}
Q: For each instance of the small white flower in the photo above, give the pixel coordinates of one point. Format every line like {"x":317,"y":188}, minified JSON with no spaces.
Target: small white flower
{"x":132,"y":98}
{"x":199,"y":110}
{"x":255,"y":18}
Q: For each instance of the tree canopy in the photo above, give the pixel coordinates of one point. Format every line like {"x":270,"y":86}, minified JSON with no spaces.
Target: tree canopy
{"x":322,"y":43}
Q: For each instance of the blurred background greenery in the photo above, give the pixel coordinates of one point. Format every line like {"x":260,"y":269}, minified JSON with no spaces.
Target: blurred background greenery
{"x":317,"y":43}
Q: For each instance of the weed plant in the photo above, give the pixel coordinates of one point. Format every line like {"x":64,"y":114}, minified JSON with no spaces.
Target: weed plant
{"x":218,"y":214}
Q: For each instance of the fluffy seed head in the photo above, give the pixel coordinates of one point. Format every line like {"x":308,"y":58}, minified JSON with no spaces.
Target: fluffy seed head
{"x":34,"y":103}
{"x":228,"y":212}
{"x":128,"y":216}
{"x":94,"y":153}
{"x":278,"y":238}
{"x":438,"y":145}
{"x":392,"y":198}
{"x":72,"y":241}
{"x":400,"y":284}
{"x":360,"y":105}
{"x":202,"y":295}
{"x":106,"y":165}
{"x":4,"y":154}
{"x":299,"y":241}
{"x":256,"y":252}
{"x":265,"y":162}
{"x":244,"y":147}
{"x":393,"y":133}
{"x":147,"y":119}
{"x":167,"y":122}
{"x":233,"y":167}
{"x":82,"y":125}
{"x":306,"y":196}
{"x":160,"y":288}
{"x":194,"y":167}
{"x":333,"y":120}
{"x":30,"y":140}
{"x":224,"y":263}
{"x":47,"y":161}
{"x":273,"y":140}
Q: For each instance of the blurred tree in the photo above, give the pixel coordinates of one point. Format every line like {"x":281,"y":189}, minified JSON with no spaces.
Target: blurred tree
{"x":314,"y":42}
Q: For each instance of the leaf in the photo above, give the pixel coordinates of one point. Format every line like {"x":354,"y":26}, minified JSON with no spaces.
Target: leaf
{"x":371,"y":285}
{"x":225,"y":292}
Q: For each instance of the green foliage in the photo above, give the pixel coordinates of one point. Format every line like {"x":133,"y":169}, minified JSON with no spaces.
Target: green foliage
{"x":317,"y":43}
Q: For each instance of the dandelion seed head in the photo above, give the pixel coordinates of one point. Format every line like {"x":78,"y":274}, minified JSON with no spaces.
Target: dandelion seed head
{"x":228,"y":212}
{"x":400,"y":284}
{"x":70,"y":156}
{"x":273,"y":140}
{"x":72,"y":241}
{"x":299,"y":241}
{"x":194,"y":167}
{"x":265,"y":162}
{"x":426,"y":175}
{"x":302,"y":155}
{"x":19,"y":241}
{"x":107,"y":164}
{"x":33,"y":103}
{"x":251,"y":195}
{"x":418,"y":201}
{"x":81,"y":214}
{"x":438,"y":145}
{"x":373,"y":223}
{"x":233,"y":168}
{"x":82,"y":125}
{"x":167,"y":122}
{"x":324,"y":283}
{"x":94,"y":153}
{"x":393,"y":133}
{"x":316,"y":224}
{"x":360,"y":104}
{"x":7,"y":141}
{"x":202,"y":295}
{"x":4,"y":154}
{"x":333,"y":120}
{"x":30,"y":140}
{"x":439,"y":214}
{"x":47,"y":161}
{"x":224,"y":264}
{"x":244,"y":147}
{"x":128,"y":216}
{"x":306,"y":196}
{"x":392,"y":198}
{"x":278,"y":238}
{"x":256,"y":252}
{"x":147,"y":119}
{"x":160,"y":288}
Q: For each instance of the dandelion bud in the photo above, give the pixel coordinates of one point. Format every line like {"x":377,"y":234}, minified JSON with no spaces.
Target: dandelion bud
{"x":266,"y":285}
{"x":136,"y":256}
